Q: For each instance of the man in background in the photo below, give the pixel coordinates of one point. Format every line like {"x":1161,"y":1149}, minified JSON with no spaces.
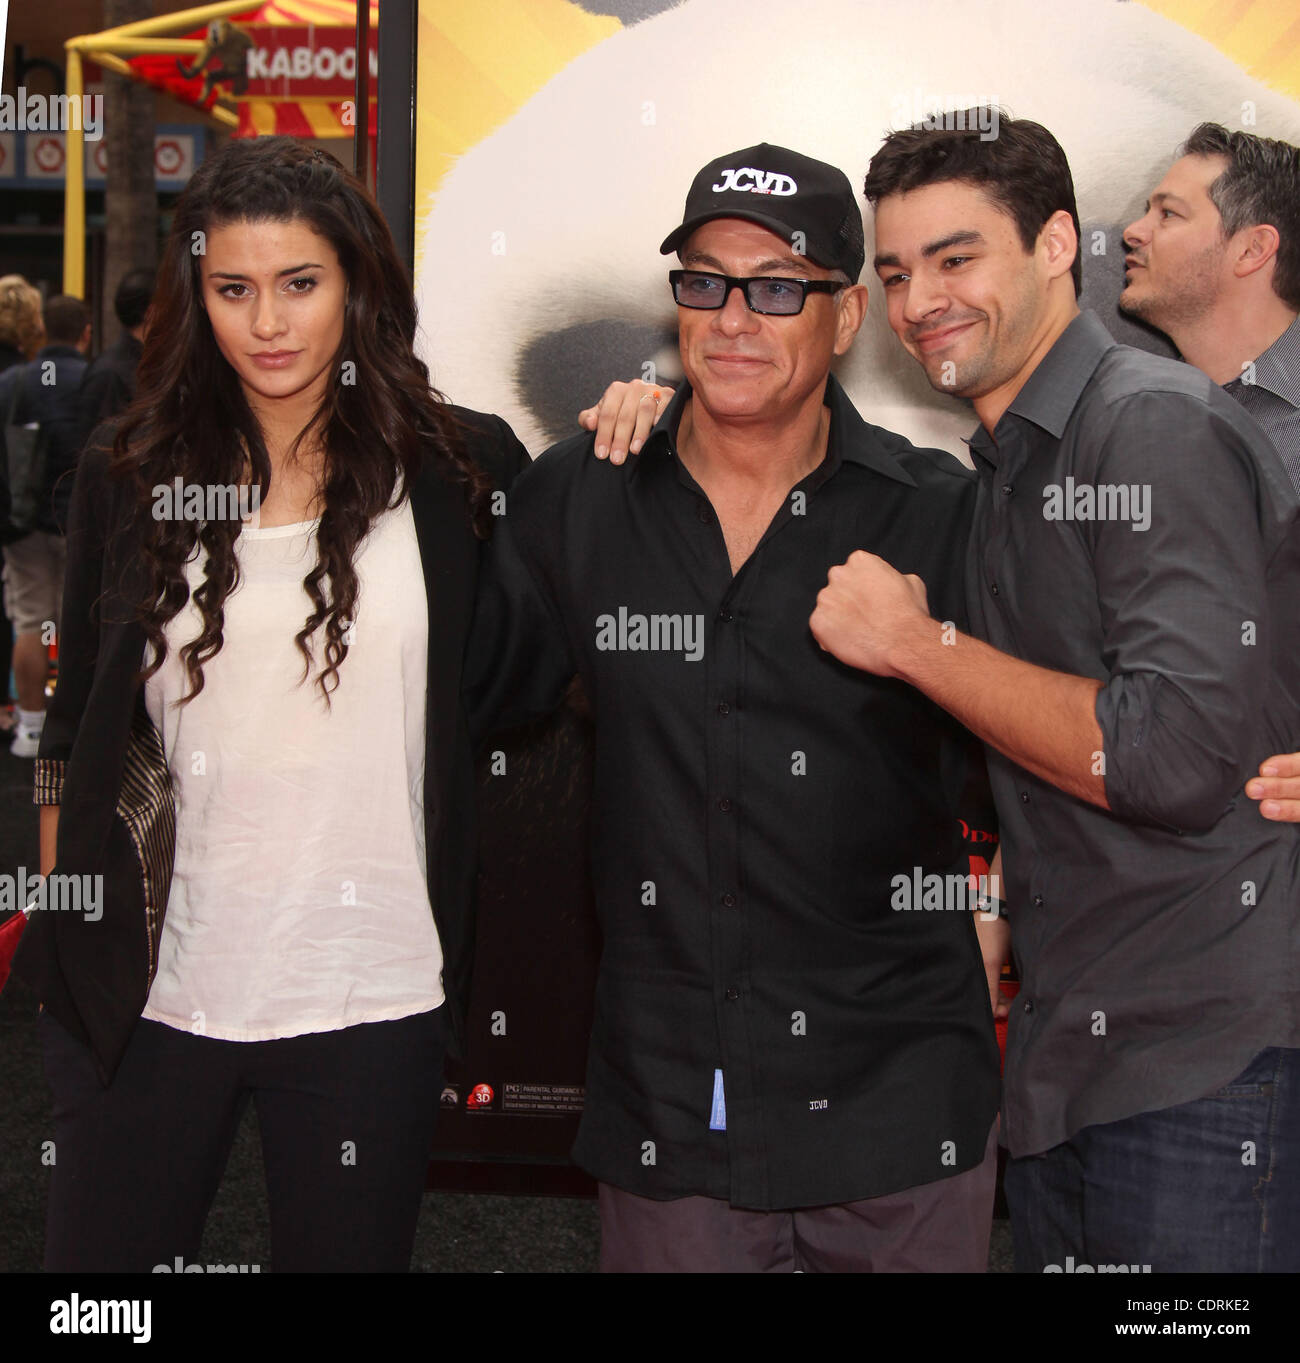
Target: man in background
{"x":1214,"y":263}
{"x":43,"y":393}
{"x":109,"y":382}
{"x":22,"y":334}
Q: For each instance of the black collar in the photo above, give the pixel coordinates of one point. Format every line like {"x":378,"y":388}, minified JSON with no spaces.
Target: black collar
{"x":851,"y":438}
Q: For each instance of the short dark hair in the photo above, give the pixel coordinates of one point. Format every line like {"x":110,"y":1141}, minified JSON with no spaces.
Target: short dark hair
{"x":1022,"y":167}
{"x":66,"y":319}
{"x":134,"y":293}
{"x":1260,"y":184}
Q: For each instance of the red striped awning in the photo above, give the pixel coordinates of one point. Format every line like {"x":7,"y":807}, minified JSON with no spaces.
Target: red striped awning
{"x":286,"y":66}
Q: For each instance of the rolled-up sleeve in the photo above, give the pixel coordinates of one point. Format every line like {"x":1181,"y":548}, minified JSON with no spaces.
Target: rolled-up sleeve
{"x":1185,"y":612}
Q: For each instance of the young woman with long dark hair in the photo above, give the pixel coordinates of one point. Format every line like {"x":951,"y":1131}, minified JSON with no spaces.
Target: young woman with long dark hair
{"x":256,"y":771}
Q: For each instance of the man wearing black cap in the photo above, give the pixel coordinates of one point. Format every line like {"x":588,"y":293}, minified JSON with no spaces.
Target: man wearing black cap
{"x":792,"y":1063}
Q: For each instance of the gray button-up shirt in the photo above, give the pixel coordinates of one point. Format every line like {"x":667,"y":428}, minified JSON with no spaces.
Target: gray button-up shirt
{"x":1133,"y":525}
{"x":1270,"y":391}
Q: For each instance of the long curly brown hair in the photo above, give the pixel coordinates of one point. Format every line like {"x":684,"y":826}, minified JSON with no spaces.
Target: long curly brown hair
{"x":190,"y":416}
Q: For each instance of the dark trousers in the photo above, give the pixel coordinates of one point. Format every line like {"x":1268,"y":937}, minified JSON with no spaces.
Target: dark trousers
{"x":1210,"y":1186}
{"x":939,"y":1227}
{"x":346,"y":1120}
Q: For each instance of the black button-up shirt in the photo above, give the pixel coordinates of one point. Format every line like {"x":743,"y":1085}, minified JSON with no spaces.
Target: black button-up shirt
{"x":1156,"y":943}
{"x":1270,"y":391}
{"x":759,"y":811}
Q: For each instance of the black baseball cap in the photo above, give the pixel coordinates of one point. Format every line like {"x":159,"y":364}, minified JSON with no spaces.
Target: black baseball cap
{"x":785,"y":192}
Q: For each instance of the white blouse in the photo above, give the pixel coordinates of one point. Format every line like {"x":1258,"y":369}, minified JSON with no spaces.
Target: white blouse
{"x":298,"y":900}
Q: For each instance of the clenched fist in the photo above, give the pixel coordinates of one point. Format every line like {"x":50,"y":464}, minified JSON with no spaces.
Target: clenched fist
{"x":865,"y":609}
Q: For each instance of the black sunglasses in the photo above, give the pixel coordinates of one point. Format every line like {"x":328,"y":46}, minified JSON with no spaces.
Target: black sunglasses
{"x":764,"y":293}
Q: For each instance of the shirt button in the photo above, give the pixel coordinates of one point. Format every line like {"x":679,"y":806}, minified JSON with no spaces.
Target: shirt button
{"x":724,"y":708}
{"x":1029,"y":1006}
{"x":993,"y":587}
{"x":704,"y":515}
{"x":724,"y":805}
{"x":1038,"y":901}
{"x":1024,"y":797}
{"x":1007,"y":489}
{"x":732,"y":995}
{"x":725,"y":616}
{"x":729,"y":900}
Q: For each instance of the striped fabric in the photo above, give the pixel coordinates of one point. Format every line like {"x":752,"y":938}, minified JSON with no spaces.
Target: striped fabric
{"x":49,"y":781}
{"x":146,"y":805}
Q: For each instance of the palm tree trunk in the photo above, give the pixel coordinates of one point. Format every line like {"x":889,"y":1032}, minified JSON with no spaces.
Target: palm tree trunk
{"x":130,"y":201}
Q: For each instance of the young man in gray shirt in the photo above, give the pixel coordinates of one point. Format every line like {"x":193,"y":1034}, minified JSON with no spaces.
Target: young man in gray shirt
{"x":1133,"y":570}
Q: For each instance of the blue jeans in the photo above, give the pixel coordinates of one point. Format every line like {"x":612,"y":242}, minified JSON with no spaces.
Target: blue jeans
{"x":1211,"y":1186}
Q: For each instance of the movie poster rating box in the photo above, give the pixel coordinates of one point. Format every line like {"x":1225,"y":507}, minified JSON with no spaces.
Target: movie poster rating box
{"x":555,"y":1098}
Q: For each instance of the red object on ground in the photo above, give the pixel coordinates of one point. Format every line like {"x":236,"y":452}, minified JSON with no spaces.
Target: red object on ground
{"x":10,"y":932}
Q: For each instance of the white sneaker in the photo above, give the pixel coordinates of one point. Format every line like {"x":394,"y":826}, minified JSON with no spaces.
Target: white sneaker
{"x":27,"y":743}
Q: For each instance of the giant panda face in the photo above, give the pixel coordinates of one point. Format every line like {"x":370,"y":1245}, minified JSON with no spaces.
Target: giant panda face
{"x":543,"y":280}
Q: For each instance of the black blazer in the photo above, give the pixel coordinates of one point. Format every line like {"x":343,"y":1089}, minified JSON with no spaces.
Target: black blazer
{"x":101,"y":758}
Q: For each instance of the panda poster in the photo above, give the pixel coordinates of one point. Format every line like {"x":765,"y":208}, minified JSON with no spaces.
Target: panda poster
{"x":554,"y":144}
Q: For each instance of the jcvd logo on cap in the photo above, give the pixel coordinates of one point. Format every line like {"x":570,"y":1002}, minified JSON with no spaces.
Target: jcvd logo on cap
{"x":759,"y":184}
{"x":764,"y":182}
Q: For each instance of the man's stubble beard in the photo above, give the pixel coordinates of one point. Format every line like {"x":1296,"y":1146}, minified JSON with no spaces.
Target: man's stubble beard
{"x":1195,"y":295}
{"x":994,"y":363}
